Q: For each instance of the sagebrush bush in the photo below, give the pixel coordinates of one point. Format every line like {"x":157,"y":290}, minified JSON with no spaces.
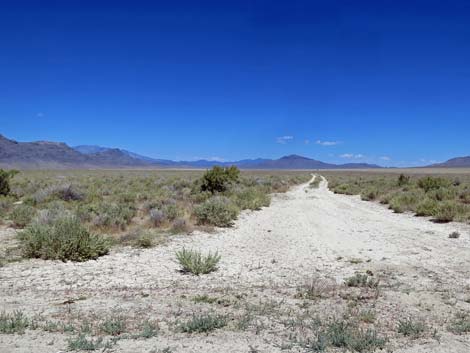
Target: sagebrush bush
{"x":369,"y":194}
{"x":113,"y":215}
{"x":218,"y":211}
{"x":427,"y":208}
{"x":22,"y":215}
{"x":65,"y":239}
{"x":195,"y":262}
{"x":252,"y":198}
{"x":203,"y":323}
{"x":217,"y":179}
{"x":446,"y":211}
{"x":157,"y":217}
{"x":180,"y":225}
{"x":432,"y":183}
{"x":410,"y":327}
{"x":465,"y":197}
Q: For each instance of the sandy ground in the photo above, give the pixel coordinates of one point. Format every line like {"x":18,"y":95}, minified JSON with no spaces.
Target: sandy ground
{"x":305,"y":235}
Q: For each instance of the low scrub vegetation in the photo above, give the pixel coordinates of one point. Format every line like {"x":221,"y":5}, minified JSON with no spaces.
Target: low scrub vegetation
{"x":444,"y":198}
{"x":411,"y":328}
{"x":217,"y":211}
{"x":15,"y":322}
{"x":65,"y":239}
{"x":203,"y":323}
{"x":120,"y":202}
{"x":112,"y":201}
{"x":195,"y":262}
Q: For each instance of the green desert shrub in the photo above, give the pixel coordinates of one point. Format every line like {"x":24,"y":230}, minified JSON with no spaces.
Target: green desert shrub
{"x":22,"y":215}
{"x":181,"y":225}
{"x":195,"y":262}
{"x":218,"y":211}
{"x":343,"y":334}
{"x":157,"y":217}
{"x":403,"y":180}
{"x":114,"y":325}
{"x":252,"y":198}
{"x":218,"y":179}
{"x":362,"y":280}
{"x":465,"y":196}
{"x":442,"y":194}
{"x":6,"y":203}
{"x":449,"y":211}
{"x":15,"y":322}
{"x":5,"y":176}
{"x":65,"y":192}
{"x":65,"y":239}
{"x":82,"y":343}
{"x":411,"y":328}
{"x":432,"y":183}
{"x":203,"y":323}
{"x":346,"y":189}
{"x":369,"y":194}
{"x":113,"y":215}
{"x":145,"y":240}
{"x":460,"y":324}
{"x":427,"y":208}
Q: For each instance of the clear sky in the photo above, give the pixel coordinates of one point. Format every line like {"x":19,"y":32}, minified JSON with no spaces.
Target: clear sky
{"x":378,"y":81}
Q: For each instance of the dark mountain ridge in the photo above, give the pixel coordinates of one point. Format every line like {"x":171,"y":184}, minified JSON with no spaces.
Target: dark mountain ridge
{"x":58,"y":155}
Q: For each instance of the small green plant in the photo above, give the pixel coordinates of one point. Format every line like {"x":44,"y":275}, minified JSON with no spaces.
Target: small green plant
{"x":194,"y":262}
{"x":411,"y":328}
{"x":66,"y":239}
{"x":114,"y":326}
{"x":148,"y":330}
{"x":203,"y":323}
{"x":446,"y":211}
{"x":22,"y":215}
{"x":217,"y":211}
{"x":454,"y":235}
{"x":82,"y":343}
{"x":460,"y":324}
{"x":362,"y":280}
{"x":204,"y":299}
{"x":15,"y":322}
{"x":367,"y":316}
{"x":145,"y":241}
{"x":217,"y":179}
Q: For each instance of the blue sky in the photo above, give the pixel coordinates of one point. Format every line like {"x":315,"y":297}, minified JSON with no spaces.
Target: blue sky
{"x":386,"y":82}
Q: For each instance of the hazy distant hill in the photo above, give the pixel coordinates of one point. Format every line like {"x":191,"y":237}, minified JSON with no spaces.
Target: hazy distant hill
{"x":44,"y":154}
{"x":459,"y":162}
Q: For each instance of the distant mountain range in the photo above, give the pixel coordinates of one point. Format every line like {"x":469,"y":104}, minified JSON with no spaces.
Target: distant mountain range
{"x":58,"y":155}
{"x":459,"y":162}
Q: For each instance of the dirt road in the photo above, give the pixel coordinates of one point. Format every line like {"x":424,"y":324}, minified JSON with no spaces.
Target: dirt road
{"x":266,"y":257}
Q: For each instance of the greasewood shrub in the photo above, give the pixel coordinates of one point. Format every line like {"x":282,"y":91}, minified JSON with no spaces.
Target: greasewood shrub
{"x":65,"y":239}
{"x":432,"y":183}
{"x":217,"y":211}
{"x":217,"y":179}
{"x":5,"y":176}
